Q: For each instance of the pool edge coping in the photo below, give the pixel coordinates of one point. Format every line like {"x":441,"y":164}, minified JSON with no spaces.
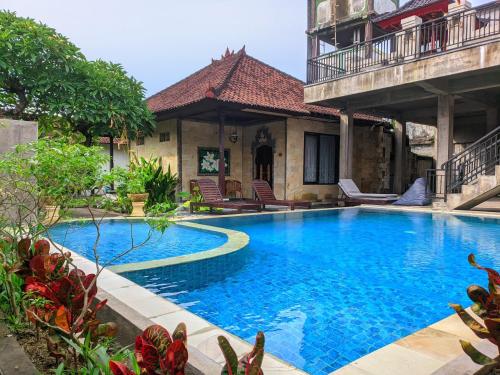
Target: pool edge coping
{"x":236,"y":241}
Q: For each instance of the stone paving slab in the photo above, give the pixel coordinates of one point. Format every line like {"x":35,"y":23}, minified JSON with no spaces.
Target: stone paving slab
{"x":13,"y":359}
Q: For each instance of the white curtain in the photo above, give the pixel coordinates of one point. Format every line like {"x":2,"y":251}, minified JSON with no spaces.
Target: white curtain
{"x":310,"y":158}
{"x":327,"y":160}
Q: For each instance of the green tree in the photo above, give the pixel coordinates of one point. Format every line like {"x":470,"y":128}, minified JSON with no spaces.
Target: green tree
{"x":103,"y":101}
{"x":35,"y":62}
{"x":44,"y":77}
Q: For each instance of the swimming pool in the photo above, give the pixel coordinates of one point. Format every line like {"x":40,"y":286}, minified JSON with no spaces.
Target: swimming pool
{"x":328,"y":287}
{"x":116,"y":237}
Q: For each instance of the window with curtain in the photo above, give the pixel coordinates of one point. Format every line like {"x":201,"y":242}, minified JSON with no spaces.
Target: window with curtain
{"x":321,"y":158}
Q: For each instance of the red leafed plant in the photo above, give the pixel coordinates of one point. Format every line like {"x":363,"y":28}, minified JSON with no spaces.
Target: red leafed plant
{"x":487,"y":307}
{"x":68,"y":299}
{"x":157,"y":352}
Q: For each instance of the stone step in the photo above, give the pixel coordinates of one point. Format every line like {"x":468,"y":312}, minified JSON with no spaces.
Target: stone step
{"x":484,"y":188}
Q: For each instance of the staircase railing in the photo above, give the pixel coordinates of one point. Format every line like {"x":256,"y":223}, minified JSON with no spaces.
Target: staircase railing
{"x":480,"y":158}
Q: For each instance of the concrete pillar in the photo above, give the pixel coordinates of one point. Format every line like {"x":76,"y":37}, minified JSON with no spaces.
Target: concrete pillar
{"x":444,"y":144}
{"x":346,"y":144}
{"x":462,"y":28}
{"x":400,"y":157}
{"x":491,"y":119}
{"x":408,"y":40}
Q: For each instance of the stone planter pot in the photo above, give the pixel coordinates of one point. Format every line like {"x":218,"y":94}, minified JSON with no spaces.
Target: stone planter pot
{"x":51,"y":214}
{"x":138,"y":202}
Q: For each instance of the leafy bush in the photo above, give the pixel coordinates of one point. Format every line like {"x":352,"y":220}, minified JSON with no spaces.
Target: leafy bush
{"x":160,"y":185}
{"x":148,"y":176}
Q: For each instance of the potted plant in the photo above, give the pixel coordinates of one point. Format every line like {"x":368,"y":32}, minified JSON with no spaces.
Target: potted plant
{"x":136,"y":192}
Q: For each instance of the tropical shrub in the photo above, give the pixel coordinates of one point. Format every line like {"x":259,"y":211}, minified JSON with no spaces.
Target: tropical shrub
{"x":487,"y":307}
{"x":33,"y":175}
{"x":160,"y":185}
{"x":156,"y":352}
{"x":249,"y":364}
{"x":148,"y":176}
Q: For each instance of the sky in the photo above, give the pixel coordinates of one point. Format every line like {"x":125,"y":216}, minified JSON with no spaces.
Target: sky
{"x":160,"y":42}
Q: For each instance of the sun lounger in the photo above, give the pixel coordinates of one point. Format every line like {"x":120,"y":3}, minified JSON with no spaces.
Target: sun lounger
{"x":355,"y":196}
{"x":266,"y":196}
{"x":212,"y":198}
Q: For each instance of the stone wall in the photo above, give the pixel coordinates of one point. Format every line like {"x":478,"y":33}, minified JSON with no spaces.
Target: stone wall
{"x":14,"y":132}
{"x":152,"y":146}
{"x":372,"y":166}
{"x":295,"y":187}
{"x":372,"y":154}
{"x":202,"y":134}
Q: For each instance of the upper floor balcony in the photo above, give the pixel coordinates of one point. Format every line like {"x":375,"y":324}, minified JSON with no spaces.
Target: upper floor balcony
{"x":457,"y":30}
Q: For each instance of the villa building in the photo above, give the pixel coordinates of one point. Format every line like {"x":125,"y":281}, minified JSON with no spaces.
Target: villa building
{"x":255,"y":115}
{"x":433,"y":63}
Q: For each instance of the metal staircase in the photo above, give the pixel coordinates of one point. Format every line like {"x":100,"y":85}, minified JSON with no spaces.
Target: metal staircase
{"x":470,"y":177}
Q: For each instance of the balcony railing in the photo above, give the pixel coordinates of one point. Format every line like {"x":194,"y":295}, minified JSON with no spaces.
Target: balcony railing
{"x":448,"y":33}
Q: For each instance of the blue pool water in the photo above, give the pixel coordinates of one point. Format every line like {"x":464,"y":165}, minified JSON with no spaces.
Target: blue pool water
{"x":329,"y":287}
{"x":116,"y":238}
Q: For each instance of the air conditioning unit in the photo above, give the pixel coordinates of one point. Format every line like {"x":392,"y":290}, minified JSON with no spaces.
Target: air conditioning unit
{"x":324,"y":12}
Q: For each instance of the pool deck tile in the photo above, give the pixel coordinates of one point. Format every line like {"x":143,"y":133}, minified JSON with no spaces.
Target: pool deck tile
{"x":437,"y":344}
{"x":395,"y":359}
{"x":207,"y":343}
{"x":154,"y":307}
{"x":193,"y":322}
{"x":109,"y":283}
{"x":454,"y":325}
{"x":351,"y":370}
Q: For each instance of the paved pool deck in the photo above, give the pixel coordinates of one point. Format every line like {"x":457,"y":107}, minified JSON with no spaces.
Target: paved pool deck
{"x":432,"y":350}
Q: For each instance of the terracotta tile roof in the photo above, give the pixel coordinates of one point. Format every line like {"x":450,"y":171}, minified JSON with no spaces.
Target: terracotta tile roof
{"x":241,"y":79}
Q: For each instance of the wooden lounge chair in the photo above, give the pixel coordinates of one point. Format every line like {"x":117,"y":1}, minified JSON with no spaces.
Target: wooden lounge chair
{"x":212,"y":198}
{"x":266,"y":196}
{"x":353,"y":196}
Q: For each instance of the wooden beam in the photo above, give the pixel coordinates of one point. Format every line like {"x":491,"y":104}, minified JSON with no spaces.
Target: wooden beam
{"x":222,"y":166}
{"x":179,"y":155}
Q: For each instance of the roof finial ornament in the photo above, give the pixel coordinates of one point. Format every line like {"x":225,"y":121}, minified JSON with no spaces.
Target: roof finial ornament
{"x":244,"y":50}
{"x":227,"y":52}
{"x":210,"y":93}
